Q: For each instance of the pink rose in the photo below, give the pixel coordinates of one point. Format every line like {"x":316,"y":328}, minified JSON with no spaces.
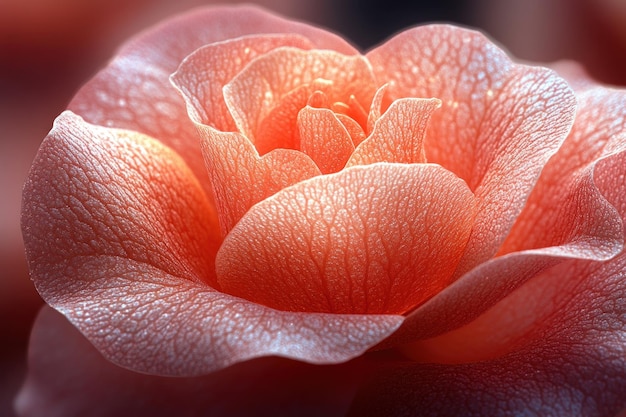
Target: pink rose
{"x":426,"y":229}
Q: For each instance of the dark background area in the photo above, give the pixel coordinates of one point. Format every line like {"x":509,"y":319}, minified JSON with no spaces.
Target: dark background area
{"x":370,"y":22}
{"x":48,"y":48}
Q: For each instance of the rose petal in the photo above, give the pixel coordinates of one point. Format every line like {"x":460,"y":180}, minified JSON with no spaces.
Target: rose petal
{"x":398,"y":135}
{"x":202,"y":75}
{"x":242,"y":178}
{"x":585,"y":224}
{"x":518,"y":318}
{"x":565,"y":334}
{"x":121,"y":239}
{"x":376,"y":108}
{"x":354,"y":129}
{"x":499,"y":122}
{"x":62,"y":361}
{"x":145,"y":320}
{"x":376,"y":239}
{"x":263,"y":84}
{"x":324,"y":138}
{"x":565,"y":202}
{"x":133,"y":91}
{"x":94,"y":191}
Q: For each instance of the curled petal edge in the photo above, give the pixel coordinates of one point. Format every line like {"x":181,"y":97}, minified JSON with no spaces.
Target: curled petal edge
{"x":484,"y":286}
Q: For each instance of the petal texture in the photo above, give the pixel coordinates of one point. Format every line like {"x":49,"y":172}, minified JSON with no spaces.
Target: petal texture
{"x":397,"y":136}
{"x":121,"y":239}
{"x":133,"y":91}
{"x":565,"y":337}
{"x":95,"y":191}
{"x":565,"y":201}
{"x":570,"y":216}
{"x":499,"y":122}
{"x":376,"y":239}
{"x":324,"y":138}
{"x":556,"y":346}
{"x":145,"y":320}
{"x":514,"y":320}
{"x":77,"y":381}
{"x":203,"y":74}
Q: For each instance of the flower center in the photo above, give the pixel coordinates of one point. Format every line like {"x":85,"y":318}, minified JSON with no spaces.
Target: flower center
{"x":312,"y":101}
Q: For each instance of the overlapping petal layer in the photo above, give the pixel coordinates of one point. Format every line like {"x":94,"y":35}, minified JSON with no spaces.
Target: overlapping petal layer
{"x":284,"y":99}
{"x":282,"y":81}
{"x":556,"y":346}
{"x":578,"y":221}
{"x":565,"y":202}
{"x":261,"y":387}
{"x":122,"y":241}
{"x":499,"y":122}
{"x":398,"y":135}
{"x":123,"y":235}
{"x":133,"y":91}
{"x":242,"y":178}
{"x":203,"y":74}
{"x":516,"y":320}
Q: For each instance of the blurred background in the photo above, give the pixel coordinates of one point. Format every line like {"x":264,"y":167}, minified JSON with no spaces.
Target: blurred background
{"x":49,"y":48}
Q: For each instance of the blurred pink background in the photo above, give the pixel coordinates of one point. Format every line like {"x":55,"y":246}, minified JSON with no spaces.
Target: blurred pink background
{"x":48,"y":48}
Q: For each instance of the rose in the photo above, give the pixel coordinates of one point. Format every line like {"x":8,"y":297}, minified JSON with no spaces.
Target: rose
{"x":483,"y":239}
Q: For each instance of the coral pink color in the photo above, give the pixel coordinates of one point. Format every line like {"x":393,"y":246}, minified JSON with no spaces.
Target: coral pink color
{"x":235,"y":186}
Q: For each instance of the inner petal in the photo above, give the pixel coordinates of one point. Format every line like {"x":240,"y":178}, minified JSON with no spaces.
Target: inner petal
{"x":324,"y":138}
{"x":279,"y":129}
{"x":352,"y":109}
{"x":398,"y":135}
{"x":202,"y":75}
{"x":354,"y":129}
{"x":268,"y":80}
{"x":241,"y":177}
{"x":381,"y":238}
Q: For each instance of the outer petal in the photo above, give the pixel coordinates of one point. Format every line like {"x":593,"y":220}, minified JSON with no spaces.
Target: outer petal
{"x":121,"y":239}
{"x":499,"y":123}
{"x":564,"y":335}
{"x":563,"y":201}
{"x":94,"y":191}
{"x":577,"y":219}
{"x":134,"y":92}
{"x":516,"y":319}
{"x":373,"y":239}
{"x":262,"y":387}
{"x":574,"y":364}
